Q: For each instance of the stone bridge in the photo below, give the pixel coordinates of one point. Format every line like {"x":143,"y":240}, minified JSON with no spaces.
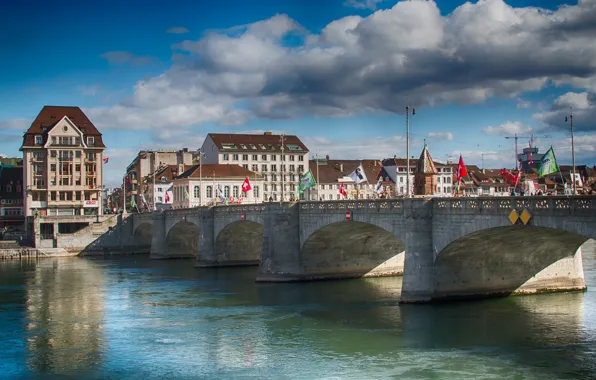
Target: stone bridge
{"x":444,"y":247}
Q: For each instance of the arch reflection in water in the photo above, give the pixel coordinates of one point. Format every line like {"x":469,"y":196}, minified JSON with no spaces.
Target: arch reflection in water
{"x":506,"y":260}
{"x":352,"y":249}
{"x":64,"y":316}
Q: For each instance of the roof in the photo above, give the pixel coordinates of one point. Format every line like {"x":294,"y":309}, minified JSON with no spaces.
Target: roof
{"x":395,"y":161}
{"x":169,"y":172}
{"x":425,"y":163}
{"x":11,"y":175}
{"x":330,"y":171}
{"x":50,"y":115}
{"x":217,"y":171}
{"x":267,"y":142}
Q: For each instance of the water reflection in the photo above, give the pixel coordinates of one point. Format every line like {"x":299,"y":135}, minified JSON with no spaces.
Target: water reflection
{"x":64,"y":316}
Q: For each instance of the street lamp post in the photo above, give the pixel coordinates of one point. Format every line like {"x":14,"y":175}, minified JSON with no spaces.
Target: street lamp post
{"x":408,"y":147}
{"x":282,"y":167}
{"x":570,"y":120}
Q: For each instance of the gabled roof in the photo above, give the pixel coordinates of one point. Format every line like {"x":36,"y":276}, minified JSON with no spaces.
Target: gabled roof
{"x":217,"y":171}
{"x":50,"y":115}
{"x":425,"y":163}
{"x":330,"y":171}
{"x":169,"y":172}
{"x":249,"y":143}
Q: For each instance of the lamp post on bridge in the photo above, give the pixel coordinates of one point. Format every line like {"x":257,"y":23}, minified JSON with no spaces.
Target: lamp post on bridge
{"x":408,"y":146}
{"x":570,"y":120}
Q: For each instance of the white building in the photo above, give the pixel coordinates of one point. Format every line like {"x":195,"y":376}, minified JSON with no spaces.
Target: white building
{"x":396,"y":170}
{"x":281,"y":167}
{"x":198,"y":186}
{"x":330,"y":174}
{"x":159,"y":186}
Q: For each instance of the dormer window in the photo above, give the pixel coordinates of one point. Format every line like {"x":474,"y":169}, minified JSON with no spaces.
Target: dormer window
{"x":90,"y":141}
{"x":38,"y":139}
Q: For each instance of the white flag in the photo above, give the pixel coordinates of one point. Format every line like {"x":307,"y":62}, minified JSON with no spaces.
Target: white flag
{"x":358,"y":175}
{"x":379,"y":186}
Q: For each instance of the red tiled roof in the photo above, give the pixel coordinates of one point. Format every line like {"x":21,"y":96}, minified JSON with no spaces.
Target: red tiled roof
{"x":330,"y":171}
{"x":50,"y":115}
{"x":217,"y":171}
{"x":271,"y":142}
{"x":425,"y":163}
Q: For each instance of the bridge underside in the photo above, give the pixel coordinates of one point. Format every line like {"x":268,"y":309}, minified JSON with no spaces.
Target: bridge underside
{"x":509,"y":260}
{"x":182,"y":242}
{"x":238,"y":244}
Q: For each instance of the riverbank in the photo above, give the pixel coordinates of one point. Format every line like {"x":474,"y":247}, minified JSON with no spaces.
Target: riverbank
{"x":27,"y":252}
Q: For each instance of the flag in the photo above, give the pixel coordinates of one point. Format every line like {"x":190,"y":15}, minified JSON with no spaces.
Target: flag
{"x":167,"y":197}
{"x":185,"y":193}
{"x":358,"y":175}
{"x":530,"y":160}
{"x":220,"y":193}
{"x":343,"y":191}
{"x":133,"y":203}
{"x":246,"y":185}
{"x":461,"y":169}
{"x":106,"y":159}
{"x":548,"y":164}
{"x":307,"y":181}
{"x":379,"y":187}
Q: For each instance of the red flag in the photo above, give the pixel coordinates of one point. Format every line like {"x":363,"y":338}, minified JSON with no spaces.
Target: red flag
{"x":105,"y":160}
{"x":246,"y":185}
{"x":510,"y":178}
{"x":461,"y":169}
{"x":343,"y":191}
{"x":167,"y":197}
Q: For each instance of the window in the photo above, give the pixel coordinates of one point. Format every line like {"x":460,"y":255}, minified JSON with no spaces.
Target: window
{"x":273,"y":157}
{"x":255,"y":191}
{"x":300,"y":168}
{"x":53,"y":140}
{"x":90,"y":141}
{"x":226,"y":157}
{"x":273,"y":168}
{"x":78,"y":154}
{"x":243,"y":146}
{"x":235,"y":194}
{"x":274,"y":177}
{"x":291,"y":157}
{"x":53,"y":153}
{"x":300,"y":158}
{"x":235,"y":157}
{"x":293,"y":146}
{"x":255,"y":168}
{"x":38,"y":140}
{"x":245,"y":157}
{"x":255,"y":157}
{"x":292,"y":168}
{"x":245,"y":166}
{"x":292,"y":177}
{"x":274,"y":187}
{"x":197,"y":193}
{"x":264,"y":157}
{"x":264,"y":168}
{"x":52,"y":167}
{"x":226,"y":191}
{"x":160,"y":199}
{"x":330,"y":197}
{"x":209,"y":191}
{"x":292,"y":187}
{"x":265,"y":187}
{"x":8,"y":189}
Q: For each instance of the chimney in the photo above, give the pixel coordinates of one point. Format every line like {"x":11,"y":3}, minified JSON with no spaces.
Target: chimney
{"x":267,"y":133}
{"x":327,"y":157}
{"x":180,"y":169}
{"x":341,"y":167}
{"x":375,"y":163}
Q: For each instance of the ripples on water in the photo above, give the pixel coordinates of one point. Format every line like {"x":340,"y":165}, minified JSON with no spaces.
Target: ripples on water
{"x":132,"y":318}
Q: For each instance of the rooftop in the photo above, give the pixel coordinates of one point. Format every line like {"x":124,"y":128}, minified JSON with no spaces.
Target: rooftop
{"x":217,"y":171}
{"x":330,"y":171}
{"x":266,"y":142}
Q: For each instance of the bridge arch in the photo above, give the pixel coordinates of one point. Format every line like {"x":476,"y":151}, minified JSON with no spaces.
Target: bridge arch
{"x":239,"y":243}
{"x":182,"y":240}
{"x":512,"y":259}
{"x":142,"y":237}
{"x":350,"y":249}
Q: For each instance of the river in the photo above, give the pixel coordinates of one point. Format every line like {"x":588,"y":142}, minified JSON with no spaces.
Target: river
{"x":133,"y":318}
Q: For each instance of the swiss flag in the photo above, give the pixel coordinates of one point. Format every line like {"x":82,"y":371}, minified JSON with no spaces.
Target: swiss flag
{"x":167,"y":197}
{"x":343,"y":191}
{"x":246,"y":185}
{"x":105,"y":160}
{"x":461,"y":169}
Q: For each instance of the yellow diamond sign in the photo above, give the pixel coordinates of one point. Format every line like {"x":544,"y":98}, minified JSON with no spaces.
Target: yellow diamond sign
{"x":525,"y":217}
{"x":513,"y":216}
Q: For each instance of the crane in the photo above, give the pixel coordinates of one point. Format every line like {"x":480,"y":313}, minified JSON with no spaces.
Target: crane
{"x":516,"y":137}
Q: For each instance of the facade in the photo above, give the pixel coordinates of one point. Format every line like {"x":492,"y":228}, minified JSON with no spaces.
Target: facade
{"x":280,"y":166}
{"x":330,"y":174}
{"x":147,"y":162}
{"x":12,"y":219}
{"x":62,"y":164}
{"x":199,"y":186}
{"x":159,"y":185}
{"x":395,"y":168}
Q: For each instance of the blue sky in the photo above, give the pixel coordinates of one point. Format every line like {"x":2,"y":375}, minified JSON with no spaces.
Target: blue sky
{"x":157,"y":75}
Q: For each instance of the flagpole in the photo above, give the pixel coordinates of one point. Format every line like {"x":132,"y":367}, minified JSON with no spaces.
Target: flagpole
{"x":214,"y":191}
{"x":200,"y":176}
{"x":124,"y":194}
{"x":572,"y":150}
{"x":153,"y":192}
{"x":282,"y":167}
{"x":408,"y":146}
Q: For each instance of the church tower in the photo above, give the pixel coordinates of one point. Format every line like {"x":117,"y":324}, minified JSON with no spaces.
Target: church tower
{"x":425,"y":177}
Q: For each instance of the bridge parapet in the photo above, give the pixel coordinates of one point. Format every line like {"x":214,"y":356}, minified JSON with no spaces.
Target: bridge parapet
{"x":561,"y":205}
{"x":365,"y":205}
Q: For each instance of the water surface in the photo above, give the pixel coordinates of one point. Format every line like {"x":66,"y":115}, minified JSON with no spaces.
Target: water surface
{"x":130,"y":318}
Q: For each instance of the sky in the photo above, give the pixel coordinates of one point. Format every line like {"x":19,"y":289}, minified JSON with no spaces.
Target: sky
{"x":337,"y":73}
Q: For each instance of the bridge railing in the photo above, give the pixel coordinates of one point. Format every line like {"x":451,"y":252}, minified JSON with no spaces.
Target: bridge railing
{"x":362,"y":205}
{"x":504,"y":205}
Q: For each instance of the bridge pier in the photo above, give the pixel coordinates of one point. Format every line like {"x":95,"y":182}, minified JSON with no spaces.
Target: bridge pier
{"x":158,"y":238}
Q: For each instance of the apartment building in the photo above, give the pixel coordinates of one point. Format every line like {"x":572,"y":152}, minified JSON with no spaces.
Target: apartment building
{"x":331,"y":174}
{"x":280,"y":159}
{"x":62,"y":164}
{"x":147,"y":162}
{"x":12,"y":217}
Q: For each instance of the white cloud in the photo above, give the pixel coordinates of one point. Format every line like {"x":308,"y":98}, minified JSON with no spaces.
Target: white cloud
{"x":177,"y":30}
{"x":583,"y":107}
{"x":509,"y":128}
{"x":123,"y":57}
{"x":441,"y":135}
{"x":359,"y":65}
{"x":523,"y":103}
{"x":362,"y":4}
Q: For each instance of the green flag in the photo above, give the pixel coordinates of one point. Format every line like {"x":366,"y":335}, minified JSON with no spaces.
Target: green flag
{"x":307,"y":181}
{"x":185,"y":193}
{"x":548,"y":164}
{"x":133,"y":203}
